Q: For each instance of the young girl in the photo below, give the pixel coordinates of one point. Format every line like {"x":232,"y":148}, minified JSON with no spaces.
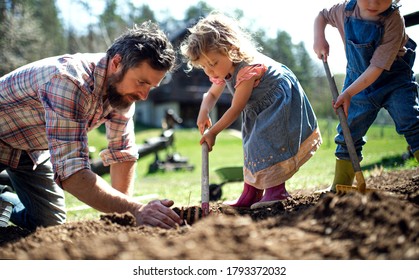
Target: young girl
{"x":279,"y":129}
{"x":379,"y":73}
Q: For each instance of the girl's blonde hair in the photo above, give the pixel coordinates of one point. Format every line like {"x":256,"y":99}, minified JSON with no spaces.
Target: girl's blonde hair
{"x":217,"y":32}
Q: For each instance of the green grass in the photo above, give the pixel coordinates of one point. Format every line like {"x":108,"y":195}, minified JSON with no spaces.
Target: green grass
{"x":383,"y":151}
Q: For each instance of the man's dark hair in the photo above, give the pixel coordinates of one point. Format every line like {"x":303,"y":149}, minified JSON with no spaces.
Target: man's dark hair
{"x":145,"y":42}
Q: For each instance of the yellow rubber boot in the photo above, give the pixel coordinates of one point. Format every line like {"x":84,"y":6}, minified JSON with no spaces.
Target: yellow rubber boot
{"x":344,"y":174}
{"x":416,"y":154}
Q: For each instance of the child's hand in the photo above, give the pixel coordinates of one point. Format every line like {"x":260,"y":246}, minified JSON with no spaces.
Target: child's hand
{"x":209,"y":138}
{"x":321,"y":48}
{"x":203,"y":123}
{"x":343,"y":100}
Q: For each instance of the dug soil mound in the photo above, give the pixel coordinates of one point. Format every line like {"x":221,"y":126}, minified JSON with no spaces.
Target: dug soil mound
{"x":380,"y":225}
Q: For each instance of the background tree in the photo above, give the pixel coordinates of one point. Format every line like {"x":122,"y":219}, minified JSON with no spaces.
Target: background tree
{"x":199,"y":10}
{"x":46,"y":14}
{"x":29,"y":30}
{"x":21,"y":36}
{"x":140,"y":14}
{"x":110,"y":22}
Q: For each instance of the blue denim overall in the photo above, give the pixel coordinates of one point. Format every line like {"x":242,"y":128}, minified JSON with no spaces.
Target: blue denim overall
{"x":395,"y":90}
{"x":279,"y":127}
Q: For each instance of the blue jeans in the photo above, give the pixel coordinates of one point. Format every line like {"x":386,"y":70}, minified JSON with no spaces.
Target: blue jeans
{"x":38,"y":200}
{"x":364,"y":109}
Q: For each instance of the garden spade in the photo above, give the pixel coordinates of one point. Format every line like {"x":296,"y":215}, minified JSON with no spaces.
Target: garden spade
{"x":361,"y":186}
{"x":205,"y":181}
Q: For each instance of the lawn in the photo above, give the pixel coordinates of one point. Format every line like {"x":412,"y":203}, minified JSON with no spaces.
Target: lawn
{"x":383,"y":151}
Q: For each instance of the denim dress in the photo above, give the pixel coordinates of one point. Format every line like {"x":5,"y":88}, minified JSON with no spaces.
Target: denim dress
{"x":279,"y":128}
{"x":395,"y":90}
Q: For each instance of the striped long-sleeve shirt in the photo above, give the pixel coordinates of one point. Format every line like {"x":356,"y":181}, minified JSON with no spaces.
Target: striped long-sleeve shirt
{"x":48,"y":107}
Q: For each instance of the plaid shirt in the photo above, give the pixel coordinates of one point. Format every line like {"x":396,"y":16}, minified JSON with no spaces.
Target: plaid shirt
{"x":47,"y":108}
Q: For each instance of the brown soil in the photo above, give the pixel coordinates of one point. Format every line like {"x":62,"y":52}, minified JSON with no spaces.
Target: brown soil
{"x":380,"y":225}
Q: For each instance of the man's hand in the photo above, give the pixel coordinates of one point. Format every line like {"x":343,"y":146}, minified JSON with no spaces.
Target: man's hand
{"x":158,"y":214}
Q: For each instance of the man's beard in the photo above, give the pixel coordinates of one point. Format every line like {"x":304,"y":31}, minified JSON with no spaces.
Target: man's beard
{"x":116,"y":99}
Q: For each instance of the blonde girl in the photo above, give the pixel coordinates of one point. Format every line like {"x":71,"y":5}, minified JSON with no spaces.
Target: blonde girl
{"x":279,"y":128}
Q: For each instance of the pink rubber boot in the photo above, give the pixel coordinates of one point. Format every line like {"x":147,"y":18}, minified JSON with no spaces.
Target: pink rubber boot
{"x":272,"y":196}
{"x":249,"y":196}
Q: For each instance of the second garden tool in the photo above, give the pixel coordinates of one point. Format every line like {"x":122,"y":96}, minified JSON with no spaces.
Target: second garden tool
{"x":361,"y":186}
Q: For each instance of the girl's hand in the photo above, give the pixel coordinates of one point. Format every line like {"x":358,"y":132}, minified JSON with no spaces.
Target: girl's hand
{"x":203,"y":122}
{"x":209,"y":138}
{"x":344,"y":100}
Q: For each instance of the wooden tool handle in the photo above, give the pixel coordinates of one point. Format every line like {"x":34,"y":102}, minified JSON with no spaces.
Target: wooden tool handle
{"x":205,"y":181}
{"x":343,"y":121}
